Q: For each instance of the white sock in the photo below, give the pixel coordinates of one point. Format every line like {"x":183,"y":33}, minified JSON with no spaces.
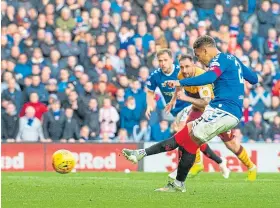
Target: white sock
{"x":142,"y":152}
{"x":173,"y":174}
{"x":178,"y":183}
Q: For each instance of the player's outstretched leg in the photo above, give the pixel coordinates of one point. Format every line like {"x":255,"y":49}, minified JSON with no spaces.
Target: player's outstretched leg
{"x":241,"y":153}
{"x":164,"y":146}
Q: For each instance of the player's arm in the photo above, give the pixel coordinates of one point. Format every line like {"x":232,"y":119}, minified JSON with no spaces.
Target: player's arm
{"x":249,"y":75}
{"x":172,"y":102}
{"x":202,"y":102}
{"x":206,"y":78}
{"x":215,"y":70}
{"x":150,"y":95}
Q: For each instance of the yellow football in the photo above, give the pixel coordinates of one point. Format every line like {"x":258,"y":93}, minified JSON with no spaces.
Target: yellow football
{"x":63,"y":161}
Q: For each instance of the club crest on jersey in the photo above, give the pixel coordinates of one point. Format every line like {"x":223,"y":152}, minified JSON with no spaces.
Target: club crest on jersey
{"x":205,"y":92}
{"x":165,"y":85}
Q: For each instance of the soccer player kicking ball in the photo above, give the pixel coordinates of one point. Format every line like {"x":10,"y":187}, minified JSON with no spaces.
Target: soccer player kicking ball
{"x":223,"y":113}
{"x":169,"y":71}
{"x":200,"y":96}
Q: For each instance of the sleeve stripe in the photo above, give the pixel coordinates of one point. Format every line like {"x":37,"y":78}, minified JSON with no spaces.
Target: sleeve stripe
{"x":217,"y":70}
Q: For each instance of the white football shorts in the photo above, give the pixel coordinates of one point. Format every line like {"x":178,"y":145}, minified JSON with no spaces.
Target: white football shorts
{"x":213,"y":122}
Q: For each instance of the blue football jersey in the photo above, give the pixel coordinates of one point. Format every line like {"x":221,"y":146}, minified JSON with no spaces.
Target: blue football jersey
{"x":158,"y":78}
{"x":229,"y":86}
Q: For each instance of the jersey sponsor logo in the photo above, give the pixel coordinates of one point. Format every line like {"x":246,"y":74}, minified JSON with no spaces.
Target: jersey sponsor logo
{"x":168,"y":93}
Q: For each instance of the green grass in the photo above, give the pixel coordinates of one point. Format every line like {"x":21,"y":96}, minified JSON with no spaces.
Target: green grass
{"x":84,"y":190}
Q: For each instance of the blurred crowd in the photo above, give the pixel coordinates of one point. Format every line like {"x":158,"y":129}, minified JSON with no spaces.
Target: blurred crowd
{"x":75,"y":70}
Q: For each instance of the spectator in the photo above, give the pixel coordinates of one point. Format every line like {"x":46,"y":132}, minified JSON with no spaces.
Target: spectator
{"x":139,"y":95}
{"x":85,"y":134}
{"x":77,"y":104}
{"x":39,"y":88}
{"x":256,"y":130}
{"x":274,"y":131}
{"x":160,"y":132}
{"x":260,"y":99}
{"x":89,"y":93}
{"x":30,"y":127}
{"x":23,"y":68}
{"x":271,"y":46}
{"x":48,"y":45}
{"x":67,"y":47}
{"x":130,"y":115}
{"x":120,"y":99}
{"x":239,"y":136}
{"x":190,"y":11}
{"x":108,"y":118}
{"x":64,"y":80}
{"x":55,"y":63}
{"x":54,"y":122}
{"x":265,"y":18}
{"x":142,"y":132}
{"x":205,"y":8}
{"x":274,"y":109}
{"x":13,"y":94}
{"x":122,"y":136}
{"x":91,"y":119}
{"x":66,"y":22}
{"x":146,"y":37}
{"x":38,"y":58}
{"x":159,"y":37}
{"x":110,"y":89}
{"x":247,"y":112}
{"x":71,"y":130}
{"x":219,"y":18}
{"x":276,"y":89}
{"x":143,"y":76}
{"x":173,"y":4}
{"x":6,"y":77}
{"x":247,"y":34}
{"x":10,"y":123}
{"x":39,"y":107}
{"x":101,"y":93}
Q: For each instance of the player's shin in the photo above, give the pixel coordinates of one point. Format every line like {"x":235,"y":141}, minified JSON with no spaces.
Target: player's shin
{"x":185,"y":164}
{"x":244,"y":157}
{"x":210,"y":154}
{"x":136,"y":155}
{"x":163,"y":146}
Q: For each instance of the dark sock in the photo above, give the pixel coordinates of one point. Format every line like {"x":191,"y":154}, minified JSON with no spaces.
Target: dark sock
{"x":209,"y":153}
{"x":164,"y":146}
{"x":185,"y":164}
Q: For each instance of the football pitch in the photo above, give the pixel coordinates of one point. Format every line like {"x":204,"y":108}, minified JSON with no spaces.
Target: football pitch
{"x":85,"y":190}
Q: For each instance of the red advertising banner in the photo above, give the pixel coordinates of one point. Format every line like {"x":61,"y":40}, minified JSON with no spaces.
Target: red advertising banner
{"x":89,"y":157}
{"x":22,"y":157}
{"x":94,"y":157}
